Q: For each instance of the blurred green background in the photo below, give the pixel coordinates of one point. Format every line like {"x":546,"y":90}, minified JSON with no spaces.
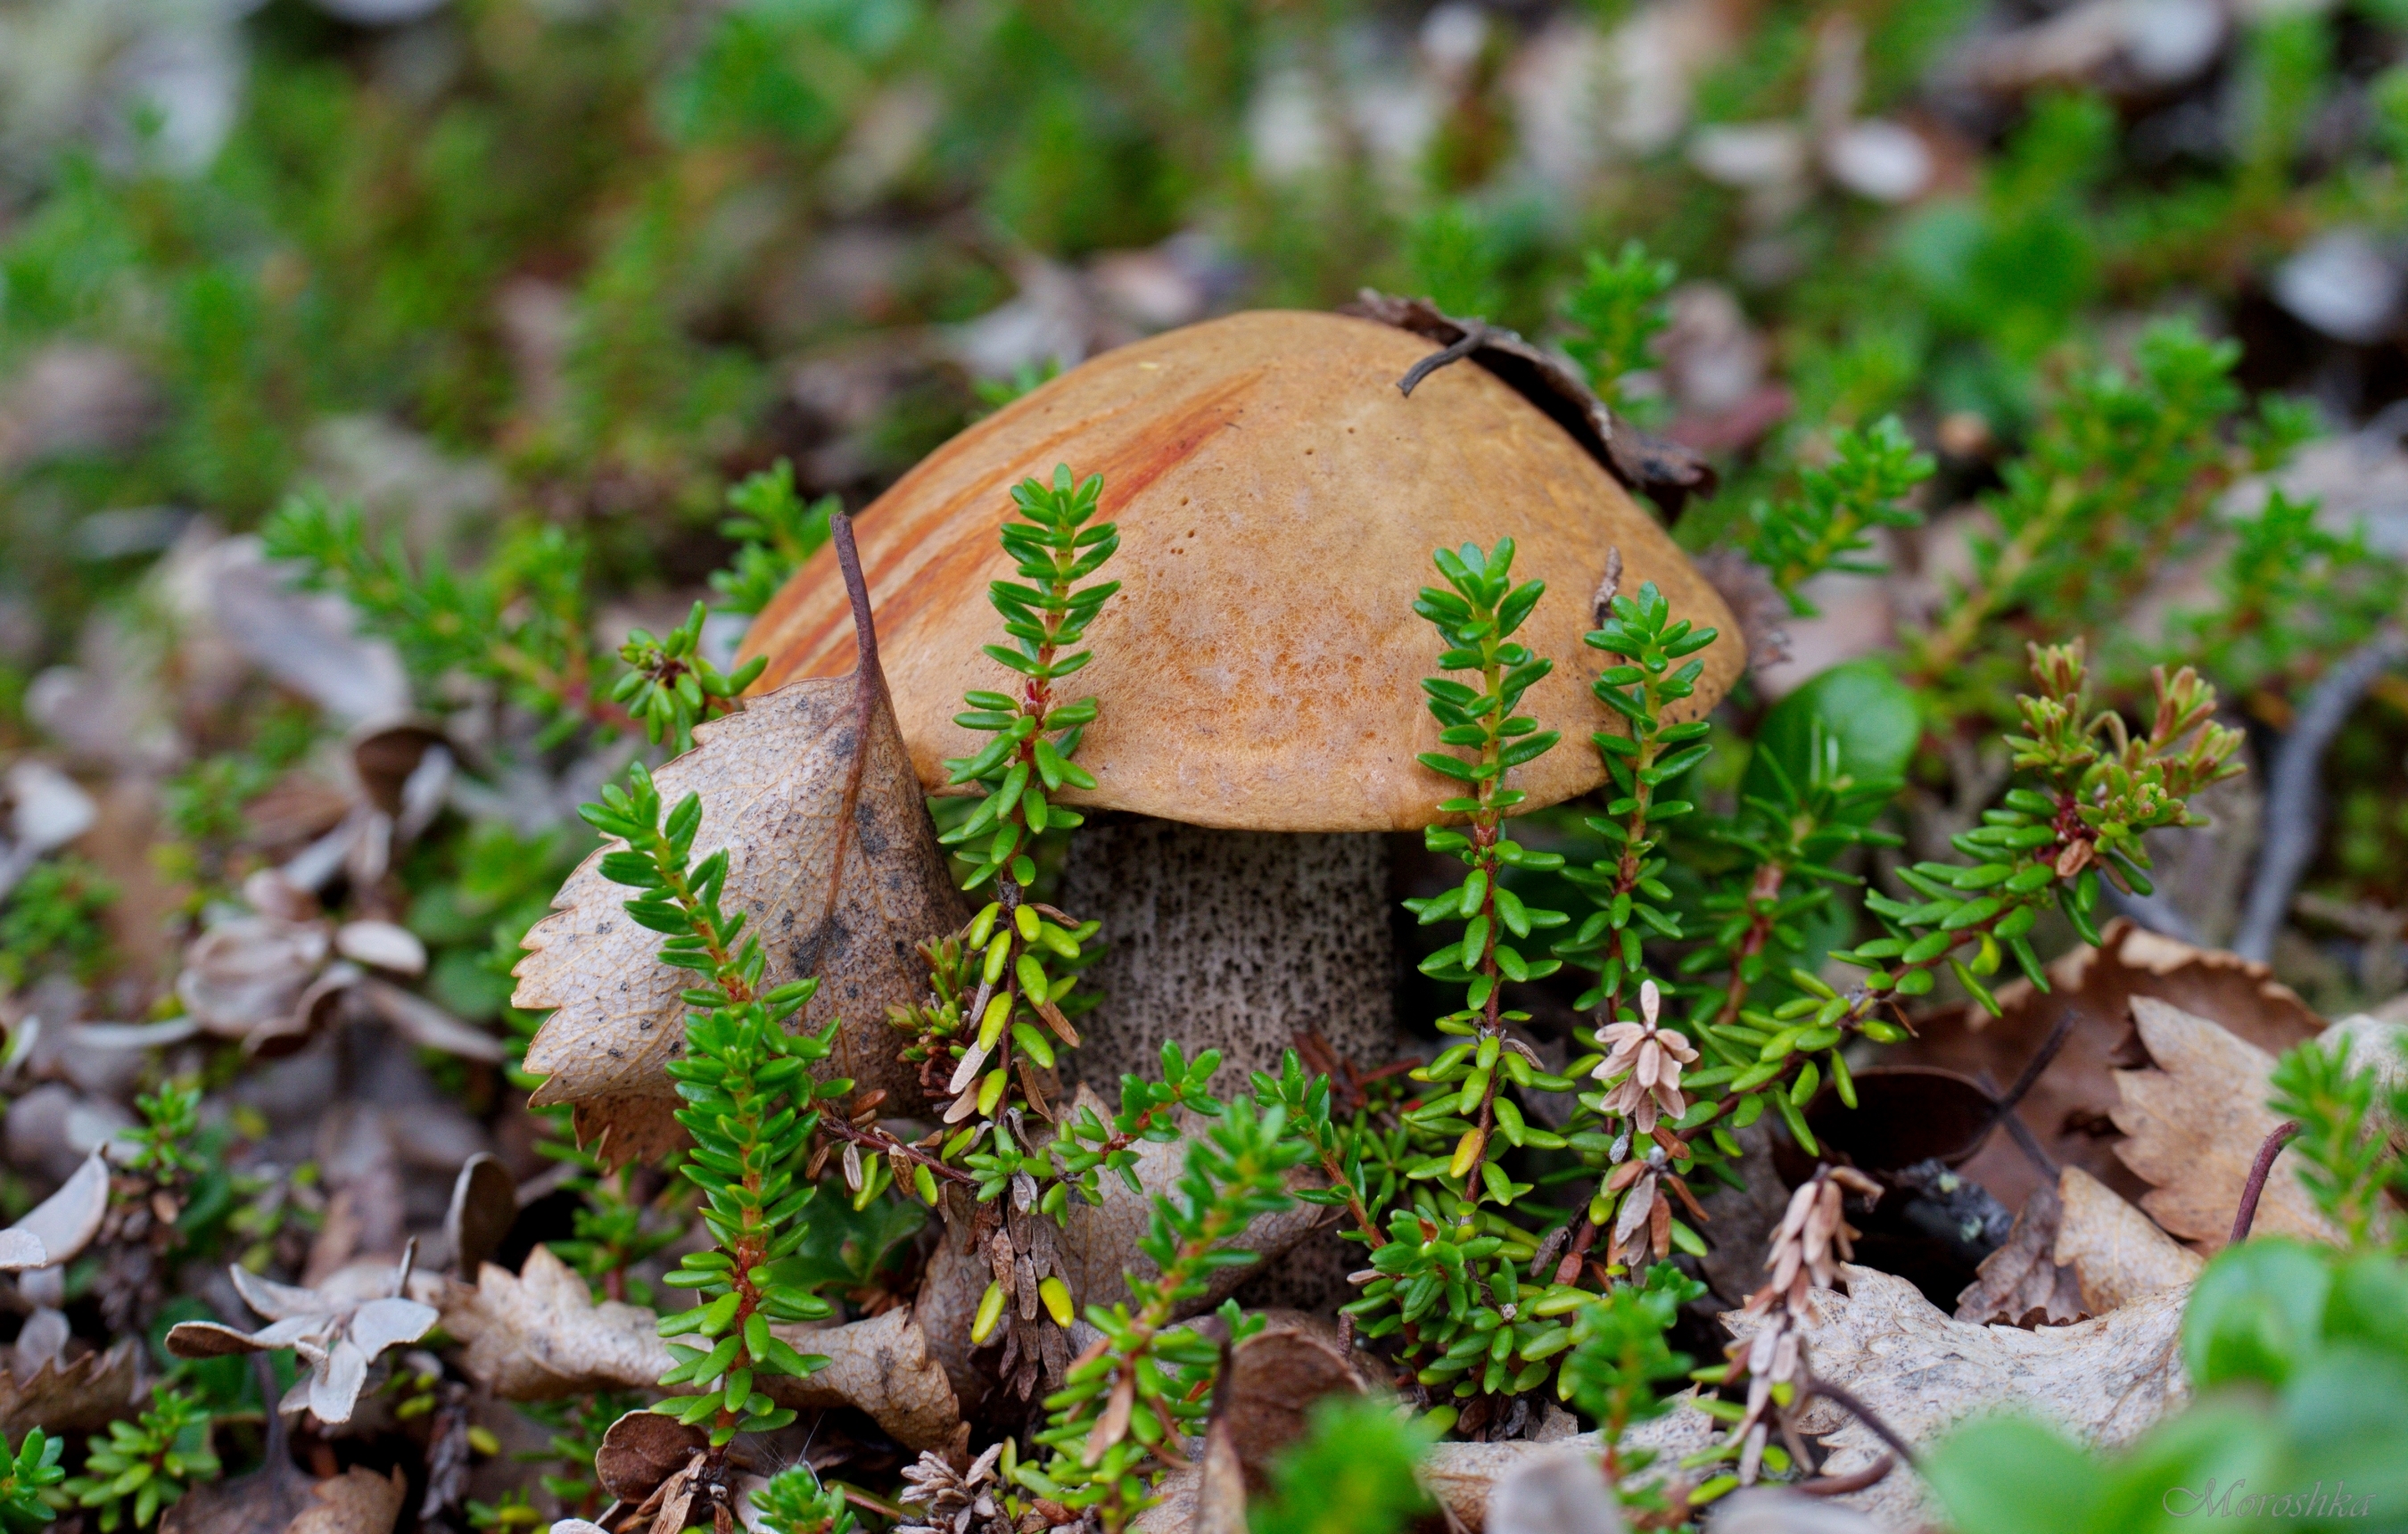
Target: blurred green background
{"x":483,"y":264}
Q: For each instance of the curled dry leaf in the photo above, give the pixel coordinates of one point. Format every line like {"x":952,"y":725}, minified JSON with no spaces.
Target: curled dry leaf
{"x":484,"y":1206}
{"x":1667,"y":471}
{"x":1274,"y":1378}
{"x":2069,"y":1110}
{"x":85,"y":1395}
{"x":21,"y":1248}
{"x":382,"y":945}
{"x":831,"y":850}
{"x":539,"y":1335}
{"x":62,"y":1225}
{"x":643,"y":1449}
{"x":2195,"y":1120}
{"x":2106,"y":1380}
{"x":337,"y":1335}
{"x":1221,"y":1485}
{"x":249,"y":971}
{"x":271,"y":980}
{"x":47,"y":809}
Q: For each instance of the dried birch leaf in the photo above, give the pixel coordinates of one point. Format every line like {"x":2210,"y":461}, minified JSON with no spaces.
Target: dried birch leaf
{"x":2117,"y":1253}
{"x":2195,"y":1121}
{"x":539,"y":1335}
{"x":2107,"y":1380}
{"x":2022,"y":1280}
{"x":831,"y":850}
{"x":84,"y":1396}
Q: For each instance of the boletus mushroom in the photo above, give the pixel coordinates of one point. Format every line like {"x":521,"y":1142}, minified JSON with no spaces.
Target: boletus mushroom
{"x":1259,"y":672}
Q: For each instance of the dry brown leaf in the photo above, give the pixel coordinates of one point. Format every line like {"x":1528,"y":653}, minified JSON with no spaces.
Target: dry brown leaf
{"x":84,"y":1396}
{"x":1275,"y":1376}
{"x":2070,"y":1109}
{"x":277,"y":1499}
{"x":539,"y":1335}
{"x":268,"y":1499}
{"x":643,"y":1449}
{"x":2106,"y":1380}
{"x":358,"y":1501}
{"x":2022,"y":1280}
{"x":2195,"y":1122}
{"x":884,"y":1366}
{"x":831,"y":850}
{"x":2117,"y":1253}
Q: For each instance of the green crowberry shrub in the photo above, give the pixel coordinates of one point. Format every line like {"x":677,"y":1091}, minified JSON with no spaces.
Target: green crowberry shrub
{"x":751,"y":1106}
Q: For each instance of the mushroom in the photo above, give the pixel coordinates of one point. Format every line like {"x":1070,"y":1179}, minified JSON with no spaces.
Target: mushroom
{"x":1279,"y":498}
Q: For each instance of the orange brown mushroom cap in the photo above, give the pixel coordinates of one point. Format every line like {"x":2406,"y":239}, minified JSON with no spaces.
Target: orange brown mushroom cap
{"x":1278,"y":501}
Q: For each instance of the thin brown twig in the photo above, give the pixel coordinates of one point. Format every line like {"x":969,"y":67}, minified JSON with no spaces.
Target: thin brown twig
{"x":1840,"y":1485}
{"x":1853,"y":1405}
{"x":1474,"y":336}
{"x":895,"y":1150}
{"x":2253,"y":1189}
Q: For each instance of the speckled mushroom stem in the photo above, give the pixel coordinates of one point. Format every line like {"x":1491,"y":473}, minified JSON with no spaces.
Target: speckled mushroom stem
{"x":1234,"y":940}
